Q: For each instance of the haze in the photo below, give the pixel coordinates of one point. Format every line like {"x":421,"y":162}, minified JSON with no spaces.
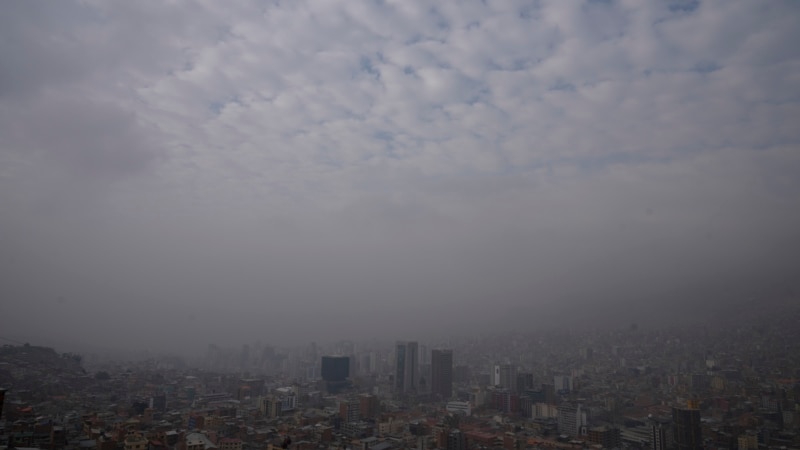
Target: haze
{"x":174,"y":174}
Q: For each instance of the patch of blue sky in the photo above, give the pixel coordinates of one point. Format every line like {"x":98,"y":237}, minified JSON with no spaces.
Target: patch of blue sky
{"x":684,"y":6}
{"x":326,"y":157}
{"x":591,"y":164}
{"x":365,"y":65}
{"x":562,"y":86}
{"x":584,"y":164}
{"x":216,"y":107}
{"x":706,"y":67}
{"x":383,"y":136}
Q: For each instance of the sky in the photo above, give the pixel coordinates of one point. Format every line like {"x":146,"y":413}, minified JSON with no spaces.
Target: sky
{"x":179,"y":173}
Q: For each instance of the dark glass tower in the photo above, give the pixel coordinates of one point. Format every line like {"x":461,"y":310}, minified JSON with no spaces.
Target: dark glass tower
{"x":442,"y":373}
{"x":686,"y":425}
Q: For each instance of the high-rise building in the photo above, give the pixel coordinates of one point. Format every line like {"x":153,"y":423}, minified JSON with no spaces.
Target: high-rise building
{"x":350,"y":410}
{"x":562,"y":383}
{"x":686,"y":426}
{"x":424,"y":379}
{"x":335,"y":368}
{"x":442,"y":373}
{"x":270,"y":407}
{"x":524,"y":381}
{"x":368,"y":406}
{"x":508,"y":377}
{"x":660,"y":434}
{"x":549,"y":392}
{"x":456,"y":440}
{"x":406,"y":360}
{"x":606,"y":437}
{"x":2,"y":400}
{"x":461,"y":374}
{"x":571,"y":419}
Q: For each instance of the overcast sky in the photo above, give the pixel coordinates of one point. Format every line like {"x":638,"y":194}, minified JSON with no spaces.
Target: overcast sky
{"x":174,"y":174}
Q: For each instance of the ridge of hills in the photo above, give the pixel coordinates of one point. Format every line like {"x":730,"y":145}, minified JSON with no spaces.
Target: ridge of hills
{"x":39,"y":369}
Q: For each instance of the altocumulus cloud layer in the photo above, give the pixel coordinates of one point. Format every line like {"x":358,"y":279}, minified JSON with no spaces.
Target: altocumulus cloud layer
{"x":179,"y":173}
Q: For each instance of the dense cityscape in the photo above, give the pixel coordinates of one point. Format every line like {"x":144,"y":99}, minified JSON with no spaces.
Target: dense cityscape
{"x":716,"y":386}
{"x":399,"y":224}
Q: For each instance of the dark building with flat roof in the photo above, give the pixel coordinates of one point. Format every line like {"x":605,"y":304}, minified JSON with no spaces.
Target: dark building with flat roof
{"x":335,"y":368}
{"x":442,"y":373}
{"x":686,"y":425}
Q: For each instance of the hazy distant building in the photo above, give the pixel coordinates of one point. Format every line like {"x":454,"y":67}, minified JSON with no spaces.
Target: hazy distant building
{"x":524,"y":381}
{"x":270,"y":406}
{"x":368,"y":406}
{"x":442,"y":373}
{"x":661,"y":435}
{"x":2,"y":400}
{"x":135,"y":441}
{"x":364,"y":363}
{"x":424,"y":378}
{"x":549,"y":392}
{"x":606,"y":437}
{"x":562,"y":383}
{"x":462,"y":374}
{"x":335,"y":368}
{"x":571,"y":419}
{"x":158,"y":402}
{"x":424,"y":354}
{"x":350,"y":410}
{"x":406,"y":360}
{"x":505,"y":401}
{"x":508,"y":377}
{"x":464,"y":408}
{"x":686,"y":426}
{"x":288,"y":398}
{"x":456,"y":440}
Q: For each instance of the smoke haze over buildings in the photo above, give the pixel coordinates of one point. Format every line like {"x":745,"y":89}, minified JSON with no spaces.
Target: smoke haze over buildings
{"x":192,"y":172}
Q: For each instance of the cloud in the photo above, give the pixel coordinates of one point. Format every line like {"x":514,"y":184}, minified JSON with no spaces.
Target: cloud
{"x":394,"y":159}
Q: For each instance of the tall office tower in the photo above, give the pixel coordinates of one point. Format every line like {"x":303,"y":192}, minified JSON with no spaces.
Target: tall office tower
{"x":406,"y":360}
{"x":562,"y":383}
{"x":269,"y":406}
{"x":334,"y":371}
{"x":508,"y":377}
{"x":549,"y":392}
{"x":349,"y":410}
{"x":686,"y":425}
{"x":2,"y":400}
{"x":399,"y":367}
{"x":368,"y":406}
{"x":424,"y":379}
{"x":524,"y":381}
{"x":424,"y":355}
{"x":571,"y":418}
{"x":456,"y":440}
{"x":335,"y":368}
{"x":660,"y":434}
{"x":442,"y":373}
{"x":244,"y":357}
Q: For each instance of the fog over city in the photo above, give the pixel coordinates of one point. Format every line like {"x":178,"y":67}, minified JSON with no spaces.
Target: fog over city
{"x":174,"y":174}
